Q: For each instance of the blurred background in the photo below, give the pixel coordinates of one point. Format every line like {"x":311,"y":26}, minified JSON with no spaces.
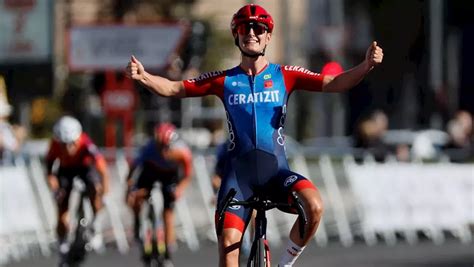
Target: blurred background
{"x":393,"y":157}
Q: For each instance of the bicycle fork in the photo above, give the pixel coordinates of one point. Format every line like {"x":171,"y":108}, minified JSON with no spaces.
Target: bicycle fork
{"x":260,"y":251}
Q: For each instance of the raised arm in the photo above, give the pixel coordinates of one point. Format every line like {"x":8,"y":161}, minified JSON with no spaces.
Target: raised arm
{"x":156,"y":84}
{"x":352,"y":77}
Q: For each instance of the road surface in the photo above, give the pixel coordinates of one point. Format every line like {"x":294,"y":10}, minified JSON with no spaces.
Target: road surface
{"x":450,"y":254}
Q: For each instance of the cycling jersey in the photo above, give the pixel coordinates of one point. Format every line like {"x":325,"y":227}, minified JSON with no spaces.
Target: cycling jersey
{"x":255,"y":105}
{"x":174,"y":158}
{"x":164,"y":165}
{"x":256,"y":109}
{"x":87,"y":153}
{"x":79,"y":165}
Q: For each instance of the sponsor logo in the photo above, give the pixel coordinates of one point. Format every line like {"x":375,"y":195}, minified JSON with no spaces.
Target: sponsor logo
{"x":206,"y":76}
{"x":281,"y":136}
{"x":231,"y":133}
{"x":300,"y":69}
{"x":235,"y":207}
{"x":289,"y":180}
{"x":294,"y":254}
{"x":267,"y":76}
{"x":268,"y":84}
{"x":258,"y":97}
{"x":239,"y":84}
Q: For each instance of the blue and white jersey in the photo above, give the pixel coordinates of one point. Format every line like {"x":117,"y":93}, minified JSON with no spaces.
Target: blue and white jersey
{"x":255,"y":108}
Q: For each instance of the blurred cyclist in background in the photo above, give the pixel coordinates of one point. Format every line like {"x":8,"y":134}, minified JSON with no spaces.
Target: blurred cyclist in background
{"x":220,"y":169}
{"x":73,"y":154}
{"x":255,"y":95}
{"x":165,"y":159}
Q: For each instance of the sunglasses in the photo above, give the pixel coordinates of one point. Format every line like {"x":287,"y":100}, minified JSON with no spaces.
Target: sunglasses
{"x":258,"y":28}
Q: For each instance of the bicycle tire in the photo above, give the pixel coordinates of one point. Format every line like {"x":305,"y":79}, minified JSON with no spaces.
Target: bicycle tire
{"x":153,"y":248}
{"x":147,"y":242}
{"x":259,"y":255}
{"x":77,"y":251}
{"x":78,"y":247}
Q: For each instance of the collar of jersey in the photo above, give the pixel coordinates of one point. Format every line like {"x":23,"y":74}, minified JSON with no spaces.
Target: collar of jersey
{"x":262,"y":70}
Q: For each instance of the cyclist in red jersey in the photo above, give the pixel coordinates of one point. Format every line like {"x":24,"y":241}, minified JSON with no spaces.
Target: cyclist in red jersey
{"x":165,"y":159}
{"x":255,"y":95}
{"x":73,"y":154}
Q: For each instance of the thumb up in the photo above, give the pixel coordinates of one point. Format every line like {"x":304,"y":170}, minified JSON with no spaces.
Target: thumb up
{"x":135,"y":69}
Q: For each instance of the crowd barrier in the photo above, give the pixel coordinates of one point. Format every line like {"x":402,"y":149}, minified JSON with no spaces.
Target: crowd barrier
{"x":22,"y":221}
{"x":410,"y":197}
{"x":374,"y":201}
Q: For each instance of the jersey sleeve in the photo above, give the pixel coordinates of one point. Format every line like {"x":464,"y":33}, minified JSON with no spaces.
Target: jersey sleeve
{"x":53,"y":151}
{"x":299,"y":78}
{"x":187,"y":159}
{"x":211,"y":83}
{"x":91,"y":148}
{"x":182,"y":154}
{"x":52,"y":155}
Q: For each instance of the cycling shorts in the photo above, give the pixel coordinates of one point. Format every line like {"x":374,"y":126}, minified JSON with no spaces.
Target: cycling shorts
{"x":257,"y":171}
{"x":66,"y":176}
{"x":168,"y":178}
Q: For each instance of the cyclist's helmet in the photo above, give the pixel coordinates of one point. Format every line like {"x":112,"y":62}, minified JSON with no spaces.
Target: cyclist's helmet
{"x":165,"y":133}
{"x":67,"y":130}
{"x":251,"y":13}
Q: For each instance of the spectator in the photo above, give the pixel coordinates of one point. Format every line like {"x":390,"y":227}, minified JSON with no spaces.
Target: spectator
{"x":369,"y":135}
{"x":11,"y":136}
{"x":460,"y":130}
{"x":332,"y":68}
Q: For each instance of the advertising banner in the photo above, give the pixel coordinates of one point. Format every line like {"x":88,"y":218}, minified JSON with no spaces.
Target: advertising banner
{"x":109,"y":47}
{"x":25,"y":31}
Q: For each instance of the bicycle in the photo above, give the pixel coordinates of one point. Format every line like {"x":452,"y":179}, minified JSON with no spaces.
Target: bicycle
{"x":260,"y":251}
{"x":152,"y":238}
{"x":80,"y":227}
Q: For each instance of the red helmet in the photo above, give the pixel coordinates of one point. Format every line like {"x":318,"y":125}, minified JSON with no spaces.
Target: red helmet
{"x":165,"y":133}
{"x":248,"y":13}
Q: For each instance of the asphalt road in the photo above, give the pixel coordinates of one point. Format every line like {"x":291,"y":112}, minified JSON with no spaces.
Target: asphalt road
{"x":450,"y":254}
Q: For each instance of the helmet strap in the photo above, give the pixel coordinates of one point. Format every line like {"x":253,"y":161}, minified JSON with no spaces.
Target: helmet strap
{"x":255,"y":55}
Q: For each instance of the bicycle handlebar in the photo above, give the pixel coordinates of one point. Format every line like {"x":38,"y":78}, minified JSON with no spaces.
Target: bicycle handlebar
{"x":303,"y":220}
{"x":221,"y":212}
{"x":262,"y":205}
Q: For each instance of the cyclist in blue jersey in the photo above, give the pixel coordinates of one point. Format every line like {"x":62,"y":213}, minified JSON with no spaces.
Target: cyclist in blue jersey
{"x":255,"y":95}
{"x":165,"y":159}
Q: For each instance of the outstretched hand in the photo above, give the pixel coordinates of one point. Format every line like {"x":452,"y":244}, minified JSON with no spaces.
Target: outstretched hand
{"x":374,"y":55}
{"x":135,"y":69}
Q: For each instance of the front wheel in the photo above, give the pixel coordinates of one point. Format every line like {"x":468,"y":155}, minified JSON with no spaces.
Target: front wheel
{"x":260,"y":254}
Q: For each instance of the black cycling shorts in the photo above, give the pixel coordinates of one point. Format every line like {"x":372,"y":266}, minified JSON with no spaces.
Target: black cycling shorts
{"x":66,"y":176}
{"x":168,"y":178}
